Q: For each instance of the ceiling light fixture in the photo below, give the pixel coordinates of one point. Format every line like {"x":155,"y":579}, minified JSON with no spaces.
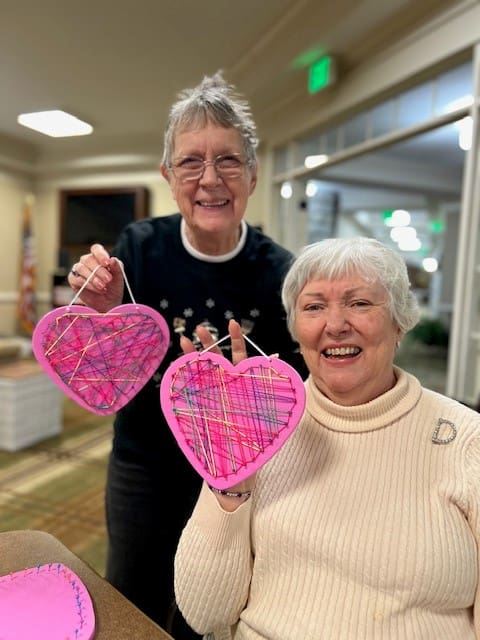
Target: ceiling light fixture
{"x":311,"y":189}
{"x":315,"y":161}
{"x":56,"y":123}
{"x":430,"y":265}
{"x":286,"y":190}
{"x":465,"y":132}
{"x":403,"y":234}
{"x":397,"y":218}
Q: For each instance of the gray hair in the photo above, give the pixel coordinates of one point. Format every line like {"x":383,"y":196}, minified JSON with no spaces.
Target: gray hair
{"x":335,"y":258}
{"x":213,"y":100}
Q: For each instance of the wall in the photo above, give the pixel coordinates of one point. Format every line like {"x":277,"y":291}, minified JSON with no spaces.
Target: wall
{"x":12,"y":197}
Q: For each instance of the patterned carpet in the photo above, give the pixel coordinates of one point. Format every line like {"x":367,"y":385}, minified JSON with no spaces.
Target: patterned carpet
{"x":58,"y":485}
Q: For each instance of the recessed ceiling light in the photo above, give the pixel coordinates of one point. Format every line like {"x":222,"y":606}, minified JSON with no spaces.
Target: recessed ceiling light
{"x":315,"y":161}
{"x":56,"y":123}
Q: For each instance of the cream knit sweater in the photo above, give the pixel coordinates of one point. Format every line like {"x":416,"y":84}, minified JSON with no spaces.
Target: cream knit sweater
{"x":365,"y":525}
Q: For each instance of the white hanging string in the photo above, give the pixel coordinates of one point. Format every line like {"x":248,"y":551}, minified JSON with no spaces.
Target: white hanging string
{"x":227,"y":336}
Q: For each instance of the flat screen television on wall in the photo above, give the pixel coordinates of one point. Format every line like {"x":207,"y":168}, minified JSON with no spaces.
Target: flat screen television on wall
{"x":97,"y":215}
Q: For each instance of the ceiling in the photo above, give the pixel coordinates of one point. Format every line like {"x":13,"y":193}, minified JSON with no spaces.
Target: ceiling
{"x":118,"y":64}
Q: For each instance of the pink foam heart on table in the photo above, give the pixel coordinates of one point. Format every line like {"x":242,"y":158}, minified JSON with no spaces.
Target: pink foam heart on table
{"x":101,"y":360}
{"x":229,"y":420}
{"x":48,"y":602}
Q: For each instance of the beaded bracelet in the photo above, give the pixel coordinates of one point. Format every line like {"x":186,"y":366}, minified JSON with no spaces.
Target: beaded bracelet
{"x":231,"y":494}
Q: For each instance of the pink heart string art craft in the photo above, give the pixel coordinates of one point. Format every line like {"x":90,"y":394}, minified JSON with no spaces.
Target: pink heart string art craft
{"x":47,"y":602}
{"x":230,"y":420}
{"x":101,"y":360}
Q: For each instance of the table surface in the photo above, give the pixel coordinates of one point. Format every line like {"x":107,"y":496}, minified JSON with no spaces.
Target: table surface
{"x":21,"y":368}
{"x":116,"y":618}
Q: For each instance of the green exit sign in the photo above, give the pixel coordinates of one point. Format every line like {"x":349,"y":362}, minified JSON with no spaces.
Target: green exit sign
{"x":321,"y":74}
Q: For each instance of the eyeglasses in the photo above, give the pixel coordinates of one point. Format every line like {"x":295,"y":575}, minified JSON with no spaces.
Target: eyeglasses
{"x":228,"y":166}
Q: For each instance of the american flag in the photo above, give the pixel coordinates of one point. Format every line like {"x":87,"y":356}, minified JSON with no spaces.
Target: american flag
{"x":26,"y":297}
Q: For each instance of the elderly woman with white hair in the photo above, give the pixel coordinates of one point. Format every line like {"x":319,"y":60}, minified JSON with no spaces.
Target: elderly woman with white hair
{"x":366,"y":524}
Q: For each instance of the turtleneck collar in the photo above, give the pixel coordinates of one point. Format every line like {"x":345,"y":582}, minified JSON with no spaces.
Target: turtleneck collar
{"x":372,"y":415}
{"x":208,"y":258}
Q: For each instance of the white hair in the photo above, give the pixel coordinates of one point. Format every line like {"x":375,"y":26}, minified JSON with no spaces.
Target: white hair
{"x":336,"y":258}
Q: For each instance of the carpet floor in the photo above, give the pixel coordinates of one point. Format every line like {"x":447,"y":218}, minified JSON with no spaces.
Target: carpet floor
{"x":58,"y":485}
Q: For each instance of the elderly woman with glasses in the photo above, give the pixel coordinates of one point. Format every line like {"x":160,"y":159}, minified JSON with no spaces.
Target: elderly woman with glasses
{"x":201,"y":266}
{"x":366,"y":523}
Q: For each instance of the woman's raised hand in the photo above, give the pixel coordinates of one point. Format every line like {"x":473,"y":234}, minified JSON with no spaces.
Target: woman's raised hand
{"x":104,"y":290}
{"x":239,"y":351}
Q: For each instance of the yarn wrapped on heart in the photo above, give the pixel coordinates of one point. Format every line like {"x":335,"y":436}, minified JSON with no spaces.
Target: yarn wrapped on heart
{"x":45,"y":602}
{"x":101,"y":360}
{"x":230,"y":420}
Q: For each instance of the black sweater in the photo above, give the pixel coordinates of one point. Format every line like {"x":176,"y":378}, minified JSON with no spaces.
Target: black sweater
{"x":188,"y":291}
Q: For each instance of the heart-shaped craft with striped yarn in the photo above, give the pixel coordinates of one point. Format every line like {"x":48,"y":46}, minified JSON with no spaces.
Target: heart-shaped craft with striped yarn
{"x":229,"y":420}
{"x":101,"y":360}
{"x":48,"y":602}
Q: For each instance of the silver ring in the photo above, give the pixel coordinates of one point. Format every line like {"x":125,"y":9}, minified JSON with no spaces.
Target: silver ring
{"x":73,"y":271}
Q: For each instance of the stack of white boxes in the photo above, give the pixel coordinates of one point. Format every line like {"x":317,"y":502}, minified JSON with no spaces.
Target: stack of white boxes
{"x":31,"y":405}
